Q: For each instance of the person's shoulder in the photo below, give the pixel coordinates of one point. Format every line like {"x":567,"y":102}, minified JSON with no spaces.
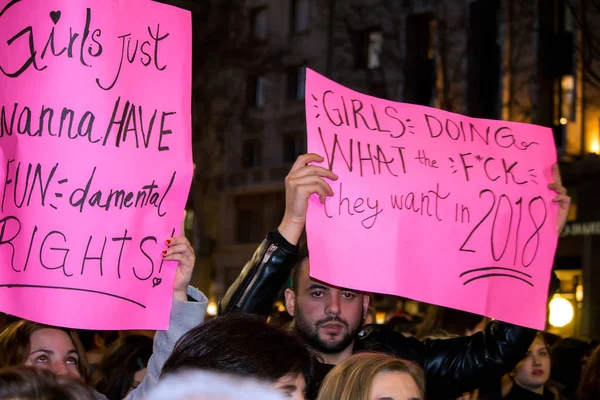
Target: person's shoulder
{"x":383,"y":339}
{"x":554,"y":394}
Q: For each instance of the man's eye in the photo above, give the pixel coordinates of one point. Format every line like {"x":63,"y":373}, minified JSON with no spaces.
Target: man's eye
{"x":348,"y":296}
{"x":317,"y":294}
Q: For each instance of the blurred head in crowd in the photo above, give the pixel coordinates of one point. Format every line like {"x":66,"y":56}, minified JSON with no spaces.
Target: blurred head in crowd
{"x":589,"y":388}
{"x":28,"y":383}
{"x":403,"y":323}
{"x":533,"y":371}
{"x":442,"y":320}
{"x":124,"y":366}
{"x":245,"y":345}
{"x":327,"y":317}
{"x":371,"y":314}
{"x":373,"y":376}
{"x":56,"y":349}
{"x":205,"y":385}
{"x":568,"y":358}
{"x":279,"y":317}
{"x":96,"y":343}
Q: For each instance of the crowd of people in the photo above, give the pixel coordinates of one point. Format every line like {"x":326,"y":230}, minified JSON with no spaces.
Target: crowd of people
{"x":328,"y":350}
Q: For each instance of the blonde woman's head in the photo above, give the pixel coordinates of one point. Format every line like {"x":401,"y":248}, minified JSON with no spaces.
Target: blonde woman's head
{"x":374,"y":376}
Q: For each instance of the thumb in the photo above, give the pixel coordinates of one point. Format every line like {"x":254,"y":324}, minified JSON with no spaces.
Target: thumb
{"x":184,"y":216}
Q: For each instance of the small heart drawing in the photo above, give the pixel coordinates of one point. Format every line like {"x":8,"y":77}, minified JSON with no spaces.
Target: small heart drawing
{"x":156,"y":282}
{"x":55,"y":16}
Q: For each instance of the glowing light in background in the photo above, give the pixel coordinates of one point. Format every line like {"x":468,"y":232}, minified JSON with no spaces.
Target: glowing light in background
{"x":579,"y":293}
{"x":561,"y":312}
{"x":595,"y":146}
{"x":211,"y":309}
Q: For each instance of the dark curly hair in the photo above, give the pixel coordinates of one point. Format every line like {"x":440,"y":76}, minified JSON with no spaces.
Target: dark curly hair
{"x":242,"y":344}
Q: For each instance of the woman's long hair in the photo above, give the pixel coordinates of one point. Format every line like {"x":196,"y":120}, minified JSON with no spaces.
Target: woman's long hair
{"x":353,"y":378}
{"x":15,"y":343}
{"x":589,"y":388}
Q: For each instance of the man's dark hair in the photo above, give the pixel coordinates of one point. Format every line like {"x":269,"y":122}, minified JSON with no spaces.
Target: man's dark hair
{"x":242,"y":344}
{"x":295,"y":275}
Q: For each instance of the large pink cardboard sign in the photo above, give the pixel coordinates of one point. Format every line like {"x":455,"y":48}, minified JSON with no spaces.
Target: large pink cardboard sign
{"x":431,"y":205}
{"x":95,"y":160}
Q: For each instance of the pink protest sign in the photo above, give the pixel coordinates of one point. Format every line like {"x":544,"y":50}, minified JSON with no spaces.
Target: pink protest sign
{"x":431,"y":205}
{"x":95,"y":160}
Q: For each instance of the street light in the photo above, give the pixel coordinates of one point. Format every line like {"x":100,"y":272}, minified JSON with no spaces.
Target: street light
{"x":561,"y":312}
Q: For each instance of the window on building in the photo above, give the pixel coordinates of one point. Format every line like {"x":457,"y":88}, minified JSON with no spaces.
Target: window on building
{"x":374,"y":49}
{"x":276,"y":208}
{"x":556,"y":86}
{"x":299,"y":15}
{"x":249,"y":219}
{"x":567,"y":101}
{"x":256,"y":91}
{"x":419,"y":87}
{"x":564,"y":51}
{"x":259,"y":23}
{"x":296,"y":80}
{"x":251,"y":153}
{"x":255,"y":212}
{"x":368,"y":46}
{"x":292,"y":145}
{"x":483,"y":95}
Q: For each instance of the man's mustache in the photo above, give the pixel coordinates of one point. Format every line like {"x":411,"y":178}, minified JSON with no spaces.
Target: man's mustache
{"x":332,"y":319}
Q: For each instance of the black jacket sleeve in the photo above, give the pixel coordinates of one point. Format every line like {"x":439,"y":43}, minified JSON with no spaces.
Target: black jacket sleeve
{"x":458,"y":365}
{"x":261,"y":279}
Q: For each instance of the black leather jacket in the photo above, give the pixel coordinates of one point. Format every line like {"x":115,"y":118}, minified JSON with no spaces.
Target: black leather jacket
{"x":452,"y":366}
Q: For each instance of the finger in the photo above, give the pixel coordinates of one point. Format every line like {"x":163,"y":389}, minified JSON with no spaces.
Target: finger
{"x":305,"y":159}
{"x":556,"y":174}
{"x":174,"y":241}
{"x":314,"y":188}
{"x":178,"y":249}
{"x":563,"y":199}
{"x":313,"y":170}
{"x":311,"y":180}
{"x":558,"y":188}
{"x":181,"y":259}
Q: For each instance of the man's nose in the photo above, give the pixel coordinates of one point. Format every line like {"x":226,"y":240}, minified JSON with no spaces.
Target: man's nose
{"x":333,"y":307}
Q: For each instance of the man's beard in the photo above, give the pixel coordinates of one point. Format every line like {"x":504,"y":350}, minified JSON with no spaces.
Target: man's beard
{"x":310,"y":334}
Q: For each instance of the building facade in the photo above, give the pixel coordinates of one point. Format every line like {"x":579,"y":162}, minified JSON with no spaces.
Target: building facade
{"x":502,"y":59}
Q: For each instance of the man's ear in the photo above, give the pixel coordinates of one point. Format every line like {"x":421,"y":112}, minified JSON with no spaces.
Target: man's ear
{"x":366,"y":302}
{"x":290,"y":301}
